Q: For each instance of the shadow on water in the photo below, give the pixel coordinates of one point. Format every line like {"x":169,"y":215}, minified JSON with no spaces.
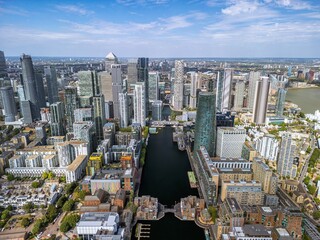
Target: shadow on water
{"x":165,"y":177}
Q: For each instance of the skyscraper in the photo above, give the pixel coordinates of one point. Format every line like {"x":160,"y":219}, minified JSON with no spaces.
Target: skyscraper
{"x":261,"y":100}
{"x":116,"y":88}
{"x":3,"y":67}
{"x":238,"y":99}
{"x":29,"y":83}
{"x":143,"y":76}
{"x":99,"y":115}
{"x":57,"y":119}
{"x":132,"y":73}
{"x":10,"y":109}
{"x":139,"y":104}
{"x":219,"y":90}
{"x":157,"y":110}
{"x":178,"y":85}
{"x":230,"y":141}
{"x":70,"y":103}
{"x":226,"y":91}
{"x":280,"y":101}
{"x":205,"y":129}
{"x":40,"y":90}
{"x":253,"y":78}
{"x":124,"y":112}
{"x":193,"y":90}
{"x":153,"y":86}
{"x":109,"y":60}
{"x":89,"y":83}
{"x":285,"y":165}
{"x":52,"y":84}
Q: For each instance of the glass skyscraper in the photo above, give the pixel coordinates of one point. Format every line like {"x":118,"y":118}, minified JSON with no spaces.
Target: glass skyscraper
{"x":205,"y":129}
{"x":280,"y":101}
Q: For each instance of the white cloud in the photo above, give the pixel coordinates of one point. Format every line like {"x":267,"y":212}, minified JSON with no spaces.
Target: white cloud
{"x":293,"y":4}
{"x":142,"y":2}
{"x":14,"y":11}
{"x":240,"y":7}
{"x":74,"y":9}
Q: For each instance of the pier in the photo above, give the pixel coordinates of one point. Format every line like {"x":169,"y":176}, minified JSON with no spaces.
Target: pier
{"x":143,"y":231}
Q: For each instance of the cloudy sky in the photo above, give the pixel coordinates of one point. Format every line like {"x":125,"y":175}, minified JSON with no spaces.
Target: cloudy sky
{"x":161,"y":28}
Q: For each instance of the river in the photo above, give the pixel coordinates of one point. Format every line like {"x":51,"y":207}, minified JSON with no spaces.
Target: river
{"x":165,"y":177}
{"x":308,"y":99}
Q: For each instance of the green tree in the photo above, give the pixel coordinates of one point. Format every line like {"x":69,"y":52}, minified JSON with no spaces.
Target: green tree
{"x":70,"y":187}
{"x":64,"y":227}
{"x":316,"y":215}
{"x":35,"y":184}
{"x":312,"y":189}
{"x":51,"y":175}
{"x":213,"y":212}
{"x":51,"y":213}
{"x":10,"y":208}
{"x":5,"y":215}
{"x":44,"y":175}
{"x":28,"y":207}
{"x":62,"y":179}
{"x":25,"y":222}
{"x":10,"y":177}
{"x":61,"y":201}
{"x":68,"y":205}
{"x":37,"y":227}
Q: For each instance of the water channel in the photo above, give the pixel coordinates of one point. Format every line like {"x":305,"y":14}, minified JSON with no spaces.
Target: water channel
{"x":306,"y":98}
{"x":165,"y":177}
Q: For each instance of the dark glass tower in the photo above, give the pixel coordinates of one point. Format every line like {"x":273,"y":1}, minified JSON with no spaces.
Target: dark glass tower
{"x":52,"y":84}
{"x":3,"y":67}
{"x":205,"y":129}
{"x":143,"y":73}
{"x":70,"y":103}
{"x":9,"y":104}
{"x":29,"y":83}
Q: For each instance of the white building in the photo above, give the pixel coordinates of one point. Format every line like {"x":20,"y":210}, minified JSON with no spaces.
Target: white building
{"x":227,"y":88}
{"x":267,"y":147}
{"x":193,"y":90}
{"x":139,"y":104}
{"x":76,"y":169}
{"x":239,"y":94}
{"x":124,"y":111}
{"x":178,"y":85}
{"x":230,"y":141}
{"x":285,"y":166}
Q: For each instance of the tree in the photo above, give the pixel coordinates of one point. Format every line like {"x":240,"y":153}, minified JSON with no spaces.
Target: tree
{"x":68,"y":222}
{"x":61,"y":201}
{"x":62,"y":179}
{"x":64,"y":227}
{"x":70,"y":187}
{"x":10,"y":177}
{"x":51,"y":213}
{"x":44,"y":175}
{"x":316,"y":215}
{"x":25,"y":222}
{"x":37,"y":226}
{"x":10,"y":208}
{"x":5,"y":214}
{"x":312,"y":189}
{"x":213,"y":213}
{"x":51,"y":175}
{"x":68,"y":205}
{"x":35,"y":184}
{"x":28,"y":207}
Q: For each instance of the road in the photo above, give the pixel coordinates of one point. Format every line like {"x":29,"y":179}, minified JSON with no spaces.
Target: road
{"x":52,"y":228}
{"x":305,"y":167}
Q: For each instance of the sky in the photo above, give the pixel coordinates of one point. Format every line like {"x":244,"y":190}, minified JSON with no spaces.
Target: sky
{"x":161,"y":28}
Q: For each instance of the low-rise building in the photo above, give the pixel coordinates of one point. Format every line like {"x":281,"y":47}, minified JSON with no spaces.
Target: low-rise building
{"x":147,"y":207}
{"x":76,"y":169}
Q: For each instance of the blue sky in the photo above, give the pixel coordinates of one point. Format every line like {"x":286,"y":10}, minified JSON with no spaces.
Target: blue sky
{"x":161,"y":28}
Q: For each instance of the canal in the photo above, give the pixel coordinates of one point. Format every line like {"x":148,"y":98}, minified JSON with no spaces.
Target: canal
{"x":165,"y":177}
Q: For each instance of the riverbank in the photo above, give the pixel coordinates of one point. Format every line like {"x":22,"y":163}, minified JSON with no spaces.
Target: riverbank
{"x":306,"y":98}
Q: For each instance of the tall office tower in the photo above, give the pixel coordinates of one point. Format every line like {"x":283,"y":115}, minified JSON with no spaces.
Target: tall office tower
{"x":261,"y":101}
{"x":106,"y":88}
{"x":139,"y":104}
{"x":178,"y":85}
{"x":268,"y":147}
{"x":3,"y":67}
{"x":226,"y":90}
{"x":280,"y":101}
{"x":29,"y":83}
{"x":193,"y":90}
{"x":70,"y":104}
{"x":153,"y":89}
{"x":99,"y":115}
{"x":52,"y":84}
{"x":40,"y":90}
{"x":132,"y":73}
{"x":253,"y":79}
{"x":157,"y":110}
{"x":230,"y":141}
{"x":205,"y":129}
{"x":219,"y":88}
{"x":57,"y":119}
{"x":124,"y":112}
{"x":26,"y":111}
{"x":238,"y":99}
{"x":84,"y":131}
{"x":83,"y":114}
{"x":89,"y":83}
{"x":143,"y":74}
{"x":110,"y":59}
{"x":116,"y":88}
{"x":10,"y":109}
{"x":285,"y":166}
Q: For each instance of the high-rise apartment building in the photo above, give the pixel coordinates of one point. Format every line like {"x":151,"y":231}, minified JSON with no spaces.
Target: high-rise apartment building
{"x":253,"y":79}
{"x":261,"y":100}
{"x":239,"y":94}
{"x":268,"y":147}
{"x":219,"y":90}
{"x":3,"y":67}
{"x":205,"y":129}
{"x":178,"y":85}
{"x":124,"y":111}
{"x":70,"y":103}
{"x":280,"y":101}
{"x":193,"y":90}
{"x":83,"y":114}
{"x":89,"y":83}
{"x":230,"y":141}
{"x":153,"y":88}
{"x":29,"y":83}
{"x":57,"y":119}
{"x":143,"y":76}
{"x":116,"y":88}
{"x":132,"y":73}
{"x":139,"y":104}
{"x":84,"y":131}
{"x":99,"y":115}
{"x":285,"y":166}
{"x":109,"y":60}
{"x":52,"y":84}
{"x":40,"y":90}
{"x":10,"y":109}
{"x":227,"y":89}
{"x":157,"y":110}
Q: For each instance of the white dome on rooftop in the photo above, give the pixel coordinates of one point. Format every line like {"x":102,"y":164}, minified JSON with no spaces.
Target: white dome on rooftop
{"x":111,"y":56}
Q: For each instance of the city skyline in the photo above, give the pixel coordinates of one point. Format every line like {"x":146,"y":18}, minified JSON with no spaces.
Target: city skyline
{"x":161,"y":28}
